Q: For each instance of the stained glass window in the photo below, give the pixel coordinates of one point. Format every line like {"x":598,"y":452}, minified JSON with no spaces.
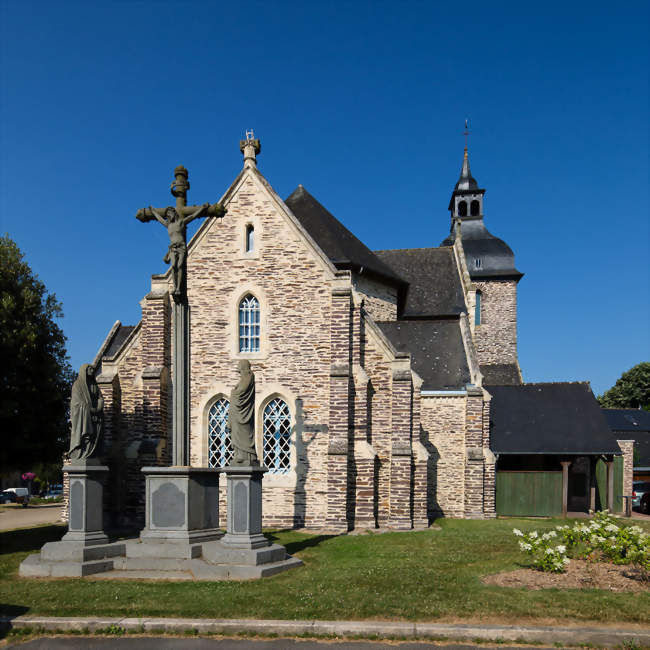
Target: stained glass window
{"x":277,"y":437}
{"x":249,"y":324}
{"x":219,"y":444}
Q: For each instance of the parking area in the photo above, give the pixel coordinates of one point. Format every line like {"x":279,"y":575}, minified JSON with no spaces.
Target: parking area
{"x":15,"y":516}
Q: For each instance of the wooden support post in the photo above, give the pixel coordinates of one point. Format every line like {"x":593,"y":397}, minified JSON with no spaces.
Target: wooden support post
{"x":565,"y":486}
{"x":610,"y":485}
{"x":592,"y":483}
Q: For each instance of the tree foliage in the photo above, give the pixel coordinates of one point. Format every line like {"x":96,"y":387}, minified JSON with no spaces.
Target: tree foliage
{"x":631,"y":390}
{"x":35,"y":374}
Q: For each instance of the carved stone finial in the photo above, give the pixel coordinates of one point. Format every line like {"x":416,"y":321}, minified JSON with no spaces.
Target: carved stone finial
{"x":180,"y":184}
{"x":250,"y":147}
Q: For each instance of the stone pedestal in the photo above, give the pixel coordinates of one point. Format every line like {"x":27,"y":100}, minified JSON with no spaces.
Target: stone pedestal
{"x":181,"y":505}
{"x":86,"y":512}
{"x":244,"y":518}
{"x":84,"y":549}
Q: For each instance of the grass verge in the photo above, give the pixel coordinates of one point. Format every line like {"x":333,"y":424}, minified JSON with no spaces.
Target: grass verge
{"x":426,"y":576}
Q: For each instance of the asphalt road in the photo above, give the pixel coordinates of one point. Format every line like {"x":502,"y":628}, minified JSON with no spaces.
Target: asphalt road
{"x":15,"y":516}
{"x":171,"y":643}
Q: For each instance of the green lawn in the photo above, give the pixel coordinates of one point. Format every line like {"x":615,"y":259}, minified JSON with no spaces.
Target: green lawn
{"x":431,"y":575}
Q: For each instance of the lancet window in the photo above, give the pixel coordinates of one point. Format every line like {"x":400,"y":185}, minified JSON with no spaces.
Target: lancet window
{"x":249,"y":324}
{"x":219,"y":444}
{"x":276,"y":437}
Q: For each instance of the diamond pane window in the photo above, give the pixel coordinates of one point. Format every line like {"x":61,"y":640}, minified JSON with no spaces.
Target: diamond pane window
{"x":219,"y":445}
{"x":249,"y":324}
{"x":277,"y":437}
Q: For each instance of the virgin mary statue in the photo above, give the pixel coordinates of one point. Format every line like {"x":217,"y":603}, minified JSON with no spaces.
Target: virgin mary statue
{"x":86,"y":413}
{"x":241,"y":416}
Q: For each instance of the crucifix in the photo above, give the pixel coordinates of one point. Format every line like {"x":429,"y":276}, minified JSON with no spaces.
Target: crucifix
{"x":175,"y":220}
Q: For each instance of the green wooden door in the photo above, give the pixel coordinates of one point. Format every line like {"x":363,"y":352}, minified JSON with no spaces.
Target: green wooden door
{"x":601,"y":484}
{"x":529,"y":494}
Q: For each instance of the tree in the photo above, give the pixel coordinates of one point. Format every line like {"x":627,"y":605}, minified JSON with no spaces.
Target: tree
{"x":35,"y":374}
{"x":631,"y":390}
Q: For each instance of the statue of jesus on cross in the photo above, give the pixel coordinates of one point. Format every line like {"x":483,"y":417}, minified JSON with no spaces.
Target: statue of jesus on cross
{"x":176,"y":220}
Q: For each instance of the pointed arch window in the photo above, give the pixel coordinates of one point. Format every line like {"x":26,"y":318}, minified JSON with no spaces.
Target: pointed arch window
{"x":249,"y":324}
{"x":219,"y":443}
{"x":276,"y":437}
{"x":477,"y":308}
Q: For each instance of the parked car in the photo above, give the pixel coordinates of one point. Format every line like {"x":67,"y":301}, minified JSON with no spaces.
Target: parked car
{"x":54,"y":493}
{"x":18,"y":495}
{"x":645,"y":503}
{"x":639,"y":490}
{"x":7,"y":496}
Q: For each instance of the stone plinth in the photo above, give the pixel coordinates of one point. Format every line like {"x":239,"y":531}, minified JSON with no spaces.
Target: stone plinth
{"x":86,"y":518}
{"x":181,"y":504}
{"x":244,"y":518}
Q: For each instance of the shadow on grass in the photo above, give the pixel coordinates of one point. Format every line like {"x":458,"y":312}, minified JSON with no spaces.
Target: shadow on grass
{"x":8,"y":612}
{"x":29,"y":539}
{"x":299,"y":545}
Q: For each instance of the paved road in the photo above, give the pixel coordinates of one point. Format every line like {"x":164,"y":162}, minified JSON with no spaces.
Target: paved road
{"x":169,"y":643}
{"x":15,"y":516}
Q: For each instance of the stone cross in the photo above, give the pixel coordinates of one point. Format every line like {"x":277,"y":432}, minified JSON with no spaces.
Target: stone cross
{"x":175,"y":219}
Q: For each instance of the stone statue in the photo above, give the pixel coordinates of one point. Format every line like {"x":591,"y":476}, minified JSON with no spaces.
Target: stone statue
{"x":241,"y":416}
{"x":86,"y":413}
{"x":177,"y":230}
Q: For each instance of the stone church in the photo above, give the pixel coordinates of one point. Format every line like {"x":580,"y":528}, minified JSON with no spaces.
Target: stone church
{"x":370,"y":366}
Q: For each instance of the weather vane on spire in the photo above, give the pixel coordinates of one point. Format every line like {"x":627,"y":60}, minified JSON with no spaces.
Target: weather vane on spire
{"x":466,"y":133}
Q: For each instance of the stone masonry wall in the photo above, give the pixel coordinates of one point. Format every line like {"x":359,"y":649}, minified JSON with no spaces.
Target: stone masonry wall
{"x":443,"y":433}
{"x":496,"y":337}
{"x":627,"y":447}
{"x":294,"y":290}
{"x":380,"y":300}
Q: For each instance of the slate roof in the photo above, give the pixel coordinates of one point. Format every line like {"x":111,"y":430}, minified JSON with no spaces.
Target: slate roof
{"x":559,"y":418}
{"x":344,"y":250}
{"x":436,"y":348}
{"x":434,"y":284}
{"x":496,"y":257}
{"x":118,"y":340}
{"x":628,"y":419}
{"x":501,"y":374}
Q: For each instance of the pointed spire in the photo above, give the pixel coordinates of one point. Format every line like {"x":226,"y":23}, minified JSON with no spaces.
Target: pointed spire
{"x":466,"y":180}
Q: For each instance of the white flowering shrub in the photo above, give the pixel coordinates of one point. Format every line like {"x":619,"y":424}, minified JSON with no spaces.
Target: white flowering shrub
{"x":601,"y":538}
{"x":545,"y":554}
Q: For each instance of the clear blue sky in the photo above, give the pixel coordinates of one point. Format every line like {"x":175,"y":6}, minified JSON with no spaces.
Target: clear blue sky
{"x":361,"y":102}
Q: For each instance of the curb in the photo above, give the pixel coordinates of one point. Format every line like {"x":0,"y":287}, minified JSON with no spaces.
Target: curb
{"x":371,"y":629}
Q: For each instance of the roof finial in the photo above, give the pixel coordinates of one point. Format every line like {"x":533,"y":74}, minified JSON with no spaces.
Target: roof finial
{"x":250,"y":147}
{"x":466,"y":133}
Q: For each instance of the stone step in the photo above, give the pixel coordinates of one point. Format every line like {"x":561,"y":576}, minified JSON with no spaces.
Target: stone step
{"x":34,"y":566}
{"x":150,"y":564}
{"x":144,"y":575}
{"x":172,"y":550}
{"x":219,"y":553}
{"x":80,"y":552}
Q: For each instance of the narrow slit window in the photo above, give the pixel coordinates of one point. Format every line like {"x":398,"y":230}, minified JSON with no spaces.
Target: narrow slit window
{"x":250,"y":238}
{"x":477,"y":308}
{"x":478,"y":263}
{"x":249,"y":324}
